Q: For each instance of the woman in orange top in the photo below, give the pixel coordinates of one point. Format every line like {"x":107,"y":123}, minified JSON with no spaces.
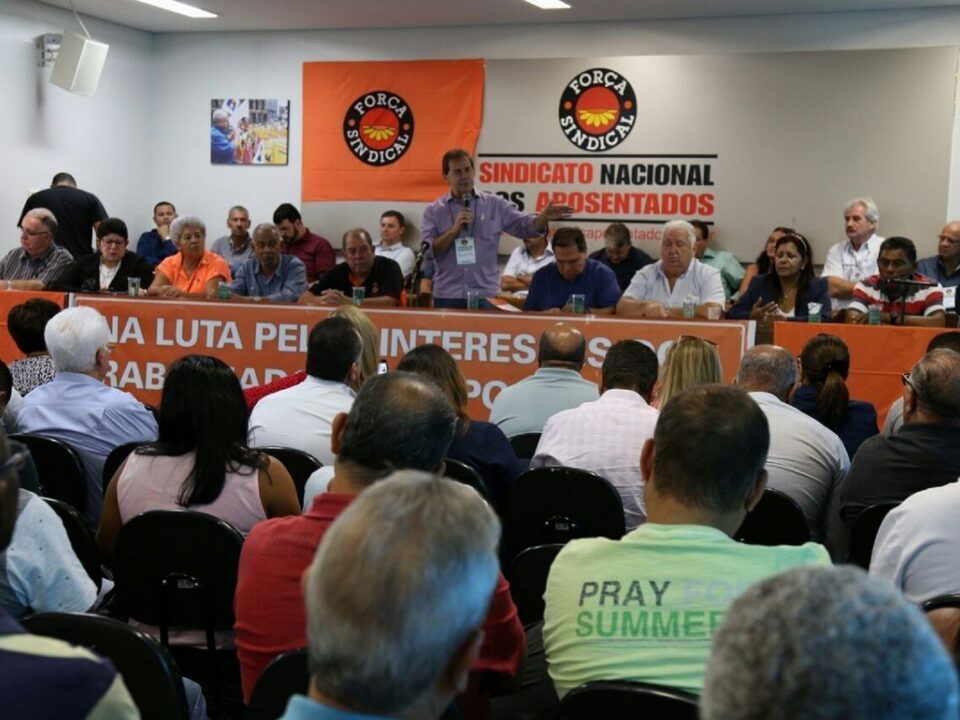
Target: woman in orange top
{"x":194,"y":271}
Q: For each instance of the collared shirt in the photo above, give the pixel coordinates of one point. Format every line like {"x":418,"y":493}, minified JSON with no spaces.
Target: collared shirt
{"x":385,"y":279}
{"x":731,"y":271}
{"x":286,"y":284}
{"x":845,"y":262}
{"x":808,"y":462}
{"x":400,"y":254}
{"x":934,"y":268}
{"x":918,"y":301}
{"x":604,"y":436}
{"x":223,"y":246}
{"x":153,"y":248}
{"x":314,"y":252}
{"x":492,"y":215}
{"x":210,"y":266}
{"x":48,"y":268}
{"x":625,"y":270}
{"x":301,"y":417}
{"x":525,"y":406}
{"x":916,"y":547}
{"x":93,"y":418}
{"x":549,"y":289}
{"x":651,"y":283}
{"x":522,"y":262}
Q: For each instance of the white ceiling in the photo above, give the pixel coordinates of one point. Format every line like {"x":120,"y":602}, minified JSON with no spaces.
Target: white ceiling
{"x":342,"y":14}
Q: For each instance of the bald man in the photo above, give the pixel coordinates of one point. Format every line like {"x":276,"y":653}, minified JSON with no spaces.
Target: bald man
{"x":557,"y":385}
{"x":944,"y":267}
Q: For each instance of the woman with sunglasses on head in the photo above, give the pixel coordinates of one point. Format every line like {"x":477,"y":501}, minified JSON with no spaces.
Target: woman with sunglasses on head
{"x":787,"y":288}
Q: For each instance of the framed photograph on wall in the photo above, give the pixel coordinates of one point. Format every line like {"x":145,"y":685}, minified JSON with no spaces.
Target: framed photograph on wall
{"x":249,"y":132}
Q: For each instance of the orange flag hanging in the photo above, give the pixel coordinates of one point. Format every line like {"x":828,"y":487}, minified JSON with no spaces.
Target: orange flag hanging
{"x":378,"y":130}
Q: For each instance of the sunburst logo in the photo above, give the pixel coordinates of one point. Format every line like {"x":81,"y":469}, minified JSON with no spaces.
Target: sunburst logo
{"x":598,"y":109}
{"x":378,"y":127}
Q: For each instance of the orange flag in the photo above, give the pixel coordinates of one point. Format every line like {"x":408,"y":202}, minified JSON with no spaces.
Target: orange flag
{"x":378,"y":130}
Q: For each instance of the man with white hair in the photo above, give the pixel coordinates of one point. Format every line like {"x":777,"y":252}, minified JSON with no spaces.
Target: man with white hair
{"x":827,"y":643}
{"x":223,"y":150}
{"x":409,"y":568}
{"x":855,"y":258}
{"x":77,"y":408}
{"x":37,"y":263}
{"x":660,"y":289}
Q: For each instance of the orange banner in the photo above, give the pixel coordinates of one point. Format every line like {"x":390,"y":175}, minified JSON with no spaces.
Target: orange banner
{"x":8,"y":349}
{"x":378,"y":130}
{"x":878,"y":355}
{"x":263,"y":343}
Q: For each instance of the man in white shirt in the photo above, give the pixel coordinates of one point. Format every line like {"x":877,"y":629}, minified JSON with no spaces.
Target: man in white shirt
{"x":806,"y":460}
{"x":392,"y":228}
{"x":524,"y":261}
{"x":302,"y":416}
{"x":855,"y":258}
{"x":659,"y":290}
{"x":606,"y":436}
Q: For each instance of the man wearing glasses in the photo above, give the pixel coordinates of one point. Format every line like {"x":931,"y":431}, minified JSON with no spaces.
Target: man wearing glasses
{"x":37,"y":263}
{"x":944,"y":267}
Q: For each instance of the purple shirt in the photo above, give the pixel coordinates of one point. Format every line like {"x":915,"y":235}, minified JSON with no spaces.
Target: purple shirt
{"x":491,"y":216}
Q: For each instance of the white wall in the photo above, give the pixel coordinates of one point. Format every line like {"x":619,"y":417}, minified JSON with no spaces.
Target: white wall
{"x":104,"y":140}
{"x":145,"y":132}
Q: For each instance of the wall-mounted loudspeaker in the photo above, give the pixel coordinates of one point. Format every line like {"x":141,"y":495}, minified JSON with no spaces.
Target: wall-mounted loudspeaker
{"x":79,"y":64}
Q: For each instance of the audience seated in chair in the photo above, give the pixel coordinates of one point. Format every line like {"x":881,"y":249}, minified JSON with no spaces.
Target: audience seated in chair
{"x":610,"y":604}
{"x":606,"y":436}
{"x":821,"y":643}
{"x":26,"y":323}
{"x":409,"y":568}
{"x":77,"y":407}
{"x":398,"y":421}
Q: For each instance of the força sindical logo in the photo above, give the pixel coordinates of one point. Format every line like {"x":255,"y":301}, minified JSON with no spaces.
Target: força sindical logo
{"x":598,"y":109}
{"x":378,"y":127}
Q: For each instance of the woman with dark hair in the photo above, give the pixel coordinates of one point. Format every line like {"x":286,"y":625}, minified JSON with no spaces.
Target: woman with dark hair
{"x":481,"y":445}
{"x":823,"y":394}
{"x":26,"y":323}
{"x":764,"y":261}
{"x":785,"y":292}
{"x":110,"y":267}
{"x":201,"y":460}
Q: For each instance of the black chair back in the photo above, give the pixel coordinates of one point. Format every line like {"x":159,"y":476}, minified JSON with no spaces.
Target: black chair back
{"x":115,"y":460}
{"x":300,"y":464}
{"x":463,"y":473}
{"x":776,"y":520}
{"x":527,"y":574}
{"x":864,"y":533}
{"x":148,"y":671}
{"x":623,"y":699}
{"x":81,"y":538}
{"x":59,"y":467}
{"x":557,"y":504}
{"x":525,"y":444}
{"x":285,"y":676}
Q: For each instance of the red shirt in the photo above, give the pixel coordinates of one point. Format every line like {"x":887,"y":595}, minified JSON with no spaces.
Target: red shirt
{"x":315,"y":252}
{"x":269,"y":605}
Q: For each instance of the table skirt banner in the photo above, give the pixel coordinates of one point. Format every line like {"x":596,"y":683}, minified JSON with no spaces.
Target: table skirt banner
{"x":9,"y":298}
{"x":878,"y":355}
{"x":264,"y":342}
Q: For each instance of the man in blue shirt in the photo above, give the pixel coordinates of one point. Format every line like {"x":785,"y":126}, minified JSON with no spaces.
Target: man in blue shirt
{"x":944,"y":267}
{"x":268,"y":275}
{"x":573,"y":274}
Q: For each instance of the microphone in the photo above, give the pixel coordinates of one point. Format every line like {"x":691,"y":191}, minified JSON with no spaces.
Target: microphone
{"x":466,"y":206}
{"x":424,"y":246}
{"x":887,"y":283}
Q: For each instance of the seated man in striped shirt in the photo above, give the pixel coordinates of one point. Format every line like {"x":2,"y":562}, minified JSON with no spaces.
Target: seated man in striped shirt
{"x":905,"y":297}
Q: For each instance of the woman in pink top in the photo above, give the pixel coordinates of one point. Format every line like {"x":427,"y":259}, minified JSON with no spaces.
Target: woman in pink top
{"x":201,"y":461}
{"x":194,"y":271}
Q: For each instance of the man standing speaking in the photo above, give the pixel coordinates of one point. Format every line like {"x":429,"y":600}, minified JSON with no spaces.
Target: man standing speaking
{"x":463,"y":229}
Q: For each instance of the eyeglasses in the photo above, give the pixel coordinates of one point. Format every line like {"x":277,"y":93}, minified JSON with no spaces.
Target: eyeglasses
{"x":948,"y":239}
{"x":905,"y":379}
{"x":114,"y":243}
{"x":685,"y":338}
{"x":34,"y":233}
{"x":14,"y":462}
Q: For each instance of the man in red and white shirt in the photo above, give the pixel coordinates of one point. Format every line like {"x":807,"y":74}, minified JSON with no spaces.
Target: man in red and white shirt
{"x":905,"y":297}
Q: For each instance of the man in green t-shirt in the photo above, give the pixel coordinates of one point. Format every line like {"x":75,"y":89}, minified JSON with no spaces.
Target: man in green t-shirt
{"x":646,"y":607}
